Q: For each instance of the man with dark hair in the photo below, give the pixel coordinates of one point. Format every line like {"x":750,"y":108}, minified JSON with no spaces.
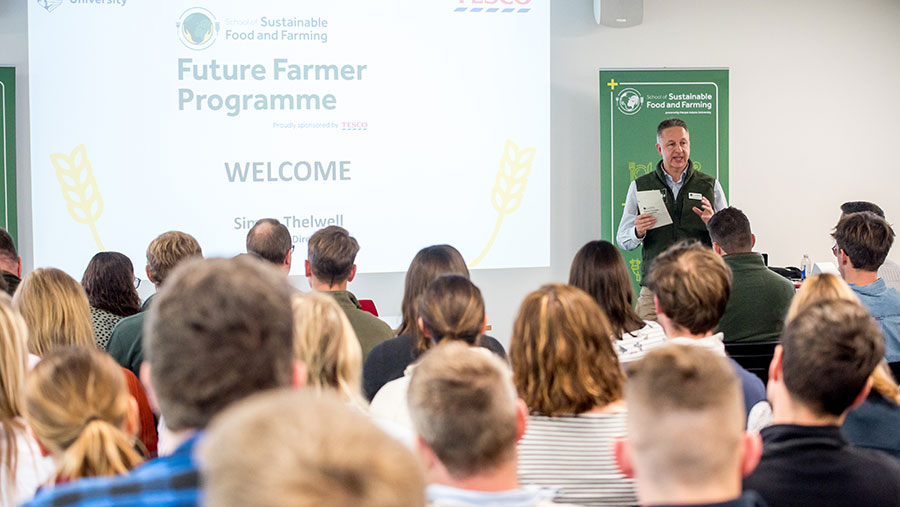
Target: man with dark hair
{"x":691,"y":199}
{"x":862,"y":242}
{"x":691,"y":286}
{"x":759,"y":297}
{"x":270,"y":239}
{"x":819,"y":372}
{"x":889,"y":270}
{"x":10,"y":262}
{"x":329,"y":268}
{"x":219,"y":331}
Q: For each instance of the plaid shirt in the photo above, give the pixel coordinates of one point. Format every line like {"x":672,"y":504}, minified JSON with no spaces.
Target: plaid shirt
{"x":171,"y":480}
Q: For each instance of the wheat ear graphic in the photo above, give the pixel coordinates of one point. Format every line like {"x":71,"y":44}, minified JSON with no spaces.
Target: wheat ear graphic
{"x":79,"y":188}
{"x":509,"y":187}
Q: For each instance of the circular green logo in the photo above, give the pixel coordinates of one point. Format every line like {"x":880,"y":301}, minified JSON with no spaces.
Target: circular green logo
{"x":197,"y":28}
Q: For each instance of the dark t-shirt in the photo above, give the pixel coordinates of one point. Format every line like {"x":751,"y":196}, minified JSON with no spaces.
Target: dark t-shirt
{"x":748,"y":499}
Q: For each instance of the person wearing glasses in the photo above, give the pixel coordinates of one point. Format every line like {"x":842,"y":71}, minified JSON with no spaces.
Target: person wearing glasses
{"x":270,"y":239}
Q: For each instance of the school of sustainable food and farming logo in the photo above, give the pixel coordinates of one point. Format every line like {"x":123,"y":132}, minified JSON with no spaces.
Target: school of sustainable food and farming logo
{"x":629,"y":101}
{"x":197,"y":28}
{"x":49,"y":5}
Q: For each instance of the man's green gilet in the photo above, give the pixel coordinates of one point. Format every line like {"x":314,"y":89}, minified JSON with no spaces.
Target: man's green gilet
{"x":686,"y":225}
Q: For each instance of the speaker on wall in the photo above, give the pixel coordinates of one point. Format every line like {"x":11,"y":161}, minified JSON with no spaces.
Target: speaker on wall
{"x":619,"y":13}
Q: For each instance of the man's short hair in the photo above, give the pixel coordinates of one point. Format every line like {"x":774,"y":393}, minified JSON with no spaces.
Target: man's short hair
{"x":857,"y":206}
{"x":730,"y":228}
{"x":830,"y":349}
{"x":293,"y":448}
{"x":668,"y":123}
{"x":218,"y":331}
{"x":866,"y":238}
{"x":693,"y":285}
{"x":685,"y":416}
{"x":463,"y":405}
{"x":332,"y":252}
{"x":167,"y":250}
{"x":269,"y":239}
{"x":8,"y":247}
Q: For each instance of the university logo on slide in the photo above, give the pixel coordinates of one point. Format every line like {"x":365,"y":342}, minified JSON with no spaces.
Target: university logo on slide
{"x":50,"y":5}
{"x":629,"y":101}
{"x":197,"y":28}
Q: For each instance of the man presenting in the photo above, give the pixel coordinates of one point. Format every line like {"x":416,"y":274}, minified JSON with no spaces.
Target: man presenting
{"x":691,"y":198}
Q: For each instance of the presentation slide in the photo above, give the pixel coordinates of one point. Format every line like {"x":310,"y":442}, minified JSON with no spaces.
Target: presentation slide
{"x":408,"y":122}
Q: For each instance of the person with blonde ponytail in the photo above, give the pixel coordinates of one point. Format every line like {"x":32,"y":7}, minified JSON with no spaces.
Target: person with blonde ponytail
{"x":451,"y":309}
{"x":22,"y":467}
{"x":79,"y":409}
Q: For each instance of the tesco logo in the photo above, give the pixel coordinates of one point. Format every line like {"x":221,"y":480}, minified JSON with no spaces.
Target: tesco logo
{"x":493,"y":2}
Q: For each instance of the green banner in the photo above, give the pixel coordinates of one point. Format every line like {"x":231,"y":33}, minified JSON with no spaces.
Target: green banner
{"x":632,"y":104}
{"x":8,"y":151}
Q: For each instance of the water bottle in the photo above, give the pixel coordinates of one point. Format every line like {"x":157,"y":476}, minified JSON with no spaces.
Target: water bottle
{"x":805,"y":267}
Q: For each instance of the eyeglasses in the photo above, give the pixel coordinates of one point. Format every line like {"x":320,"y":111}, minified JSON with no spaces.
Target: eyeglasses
{"x":137,"y":282}
{"x":835,"y":250}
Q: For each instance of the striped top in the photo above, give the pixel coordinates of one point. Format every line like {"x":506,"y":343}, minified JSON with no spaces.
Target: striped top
{"x":634,"y":346}
{"x":574,"y":454}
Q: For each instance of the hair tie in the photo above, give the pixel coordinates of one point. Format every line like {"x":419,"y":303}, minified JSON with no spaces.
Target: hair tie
{"x":89,"y":421}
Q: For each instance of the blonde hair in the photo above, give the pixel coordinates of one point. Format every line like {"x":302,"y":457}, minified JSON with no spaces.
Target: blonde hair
{"x":56,"y":309}
{"x":77,"y":402}
{"x":13,"y":334}
{"x":817,"y":288}
{"x":325,"y":341}
{"x":167,"y":250}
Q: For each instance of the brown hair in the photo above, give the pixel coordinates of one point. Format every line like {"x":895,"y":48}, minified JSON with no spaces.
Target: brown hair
{"x":562,"y":356}
{"x":77,"y":403}
{"x":167,"y":250}
{"x":269,"y":239}
{"x":218,"y":331}
{"x":332,"y":252}
{"x":56,"y":309}
{"x":13,"y":334}
{"x":599,"y":270}
{"x":294,"y":448}
{"x":451,"y":308}
{"x":730,"y":228}
{"x":865,"y":237}
{"x":693,"y":285}
{"x":109,"y":283}
{"x":830,"y":349}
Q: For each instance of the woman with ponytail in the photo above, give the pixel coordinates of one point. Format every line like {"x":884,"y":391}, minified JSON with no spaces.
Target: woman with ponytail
{"x":79,"y":409}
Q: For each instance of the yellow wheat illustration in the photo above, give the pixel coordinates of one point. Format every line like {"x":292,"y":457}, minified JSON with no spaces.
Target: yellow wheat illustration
{"x":79,"y":188}
{"x":509,"y":187}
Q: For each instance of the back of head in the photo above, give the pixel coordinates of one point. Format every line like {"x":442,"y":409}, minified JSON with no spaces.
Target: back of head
{"x":269,"y":239}
{"x":109,"y":283}
{"x":693,"y":285}
{"x":332,"y":252}
{"x":325,"y":341}
{"x":218,"y":331}
{"x":293,"y":448}
{"x":562,"y":355}
{"x":13,"y":335}
{"x":857,"y":206}
{"x":451,"y":308}
{"x":730,"y":228}
{"x":865,"y":238}
{"x":599,"y":270}
{"x":167,"y":250}
{"x":830,"y":349}
{"x":56,"y":309}
{"x":463,"y":406}
{"x":685,"y":417}
{"x":77,"y":403}
{"x":8,"y":250}
{"x":428,"y":264}
{"x":818,"y":288}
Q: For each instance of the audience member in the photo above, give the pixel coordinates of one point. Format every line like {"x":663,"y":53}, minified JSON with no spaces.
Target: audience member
{"x":686,"y":443}
{"x":270,"y":239}
{"x":889,"y":271}
{"x":22,"y":467}
{"x":599,"y":270}
{"x":329,"y":268}
{"x":691,"y":286}
{"x":218,"y":331}
{"x":818,"y":288}
{"x":451,"y":309}
{"x":759,"y":297}
{"x":566,"y":371}
{"x":474,"y":463}
{"x":10,"y":263}
{"x":163,"y":254}
{"x":78,"y":406}
{"x":862,"y":242}
{"x":389,"y":359}
{"x":56,"y":310}
{"x":109,"y":283}
{"x":294,"y":448}
{"x":324,"y":341}
{"x":820,"y":371}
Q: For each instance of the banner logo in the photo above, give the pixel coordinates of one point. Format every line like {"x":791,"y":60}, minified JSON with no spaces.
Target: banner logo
{"x":197,"y":28}
{"x":49,"y":5}
{"x":629,"y":101}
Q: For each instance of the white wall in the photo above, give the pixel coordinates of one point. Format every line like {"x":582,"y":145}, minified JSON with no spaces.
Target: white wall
{"x":814,"y":104}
